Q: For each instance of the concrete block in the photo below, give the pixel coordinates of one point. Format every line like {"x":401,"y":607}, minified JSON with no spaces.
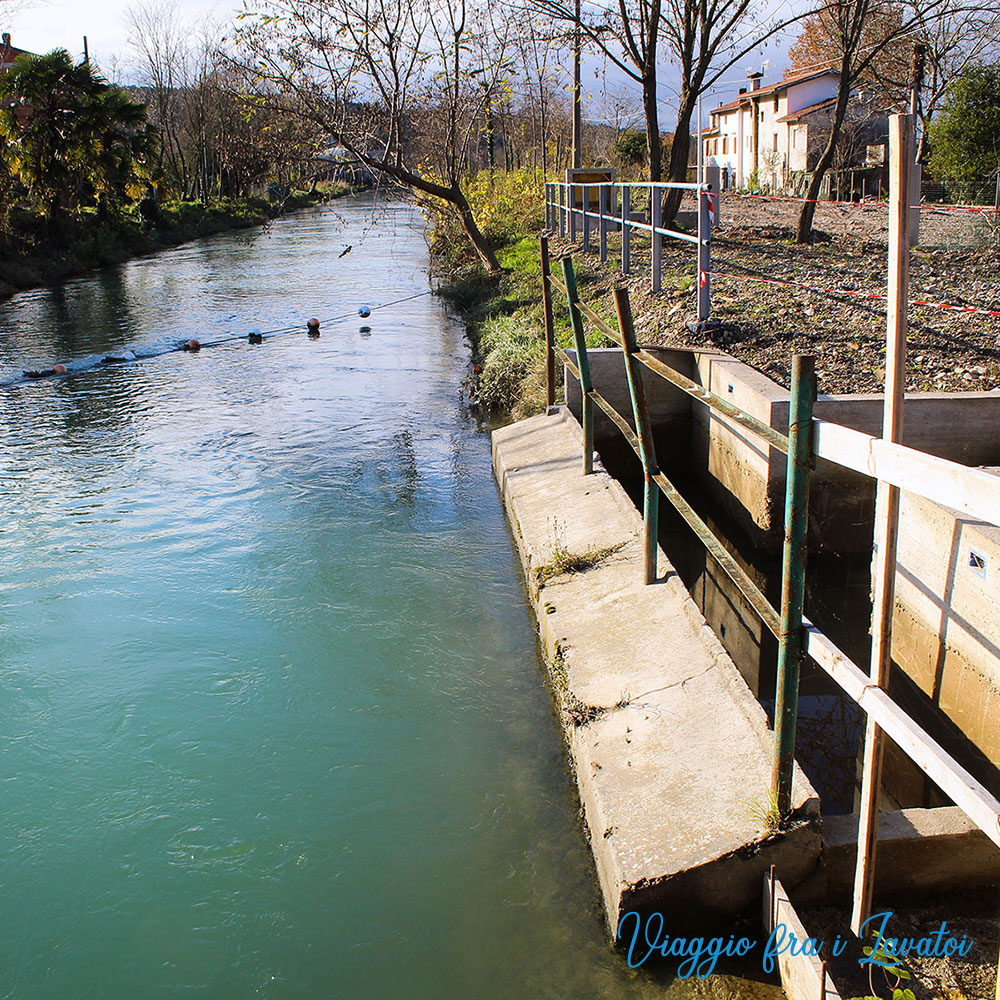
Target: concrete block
{"x":946,"y":620}
{"x":671,"y":752}
{"x":919,"y":851}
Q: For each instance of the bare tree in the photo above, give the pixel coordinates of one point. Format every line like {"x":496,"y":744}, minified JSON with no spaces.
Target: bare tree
{"x":160,"y":44}
{"x":860,"y":34}
{"x":703,"y":38}
{"x":957,"y":36}
{"x":629,"y":37}
{"x":401,"y":87}
{"x":538,"y":46}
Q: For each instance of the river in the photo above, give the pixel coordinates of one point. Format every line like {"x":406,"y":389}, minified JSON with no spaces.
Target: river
{"x":272,"y":717}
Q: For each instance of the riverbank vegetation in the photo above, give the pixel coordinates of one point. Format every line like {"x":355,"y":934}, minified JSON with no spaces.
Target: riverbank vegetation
{"x":92,"y":172}
{"x":503,"y":311}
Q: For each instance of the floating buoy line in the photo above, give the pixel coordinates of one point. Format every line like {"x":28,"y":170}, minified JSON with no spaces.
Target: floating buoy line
{"x":192,"y":344}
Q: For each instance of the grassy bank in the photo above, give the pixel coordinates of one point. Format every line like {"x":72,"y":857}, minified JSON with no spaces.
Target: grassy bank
{"x":31,"y":255}
{"x":503,"y":313}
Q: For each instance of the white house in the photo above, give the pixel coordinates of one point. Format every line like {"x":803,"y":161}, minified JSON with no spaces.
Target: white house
{"x":779,"y":130}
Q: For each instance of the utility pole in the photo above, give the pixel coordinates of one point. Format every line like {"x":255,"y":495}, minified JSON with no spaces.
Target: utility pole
{"x":701,"y":155}
{"x":577,"y":90}
{"x":917,"y":67}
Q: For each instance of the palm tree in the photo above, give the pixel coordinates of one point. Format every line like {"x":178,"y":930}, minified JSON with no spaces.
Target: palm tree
{"x":71,"y":137}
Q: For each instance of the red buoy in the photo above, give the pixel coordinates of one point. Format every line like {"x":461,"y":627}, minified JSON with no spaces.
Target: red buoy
{"x":58,"y":369}
{"x":313,"y":327}
{"x":192,"y":345}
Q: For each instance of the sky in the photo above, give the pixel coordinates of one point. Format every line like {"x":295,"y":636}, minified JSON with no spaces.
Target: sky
{"x":43,"y":25}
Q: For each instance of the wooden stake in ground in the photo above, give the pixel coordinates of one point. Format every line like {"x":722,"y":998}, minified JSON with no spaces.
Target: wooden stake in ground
{"x":887,"y":501}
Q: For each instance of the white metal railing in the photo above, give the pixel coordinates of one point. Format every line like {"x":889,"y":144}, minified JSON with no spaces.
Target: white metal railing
{"x":568,"y":210}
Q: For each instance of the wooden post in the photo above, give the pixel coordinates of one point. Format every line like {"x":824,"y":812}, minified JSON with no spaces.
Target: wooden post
{"x":586,"y":218}
{"x":550,"y":354}
{"x":627,"y":229}
{"x":582,"y":364}
{"x":562,"y":210}
{"x":887,"y":501}
{"x":655,"y":239}
{"x":644,"y":432}
{"x":571,"y":193}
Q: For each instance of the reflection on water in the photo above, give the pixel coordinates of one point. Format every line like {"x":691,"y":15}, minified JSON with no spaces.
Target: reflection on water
{"x":273,"y":722}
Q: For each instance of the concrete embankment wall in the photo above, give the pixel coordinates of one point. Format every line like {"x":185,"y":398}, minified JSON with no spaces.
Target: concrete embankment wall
{"x":671,"y":751}
{"x":747,"y":478}
{"x":946,"y":624}
{"x":946,"y":636}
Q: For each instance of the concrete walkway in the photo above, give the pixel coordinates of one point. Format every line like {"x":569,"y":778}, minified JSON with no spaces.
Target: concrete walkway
{"x":670,"y":749}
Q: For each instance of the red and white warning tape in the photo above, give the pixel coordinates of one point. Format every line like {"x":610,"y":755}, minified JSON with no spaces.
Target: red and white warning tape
{"x":926,"y":207}
{"x":976,"y":310}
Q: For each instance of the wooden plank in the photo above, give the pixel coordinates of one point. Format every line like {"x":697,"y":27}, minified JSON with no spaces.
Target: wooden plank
{"x":886,"y":504}
{"x":803,"y":977}
{"x":962,"y":788}
{"x":969,"y":491}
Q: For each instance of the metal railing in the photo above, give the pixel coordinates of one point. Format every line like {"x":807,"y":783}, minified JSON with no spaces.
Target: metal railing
{"x":568,"y":210}
{"x":968,"y":490}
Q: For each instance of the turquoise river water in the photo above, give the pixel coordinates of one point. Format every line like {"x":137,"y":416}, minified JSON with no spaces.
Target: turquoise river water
{"x":272,"y":720}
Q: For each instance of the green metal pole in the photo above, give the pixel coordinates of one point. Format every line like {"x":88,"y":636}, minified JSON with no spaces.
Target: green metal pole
{"x":550,"y":357}
{"x":583,"y":363}
{"x":793,"y":577}
{"x":644,"y":431}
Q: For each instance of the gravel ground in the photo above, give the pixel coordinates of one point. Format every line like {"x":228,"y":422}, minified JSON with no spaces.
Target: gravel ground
{"x":957,"y":262}
{"x":974,"y":915}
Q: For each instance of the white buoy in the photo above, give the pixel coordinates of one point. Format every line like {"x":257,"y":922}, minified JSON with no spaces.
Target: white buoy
{"x":364,"y":312}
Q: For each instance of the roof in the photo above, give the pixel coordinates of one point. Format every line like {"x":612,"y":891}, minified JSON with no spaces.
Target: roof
{"x":788,"y":81}
{"x":802,"y":112}
{"x":8,"y":52}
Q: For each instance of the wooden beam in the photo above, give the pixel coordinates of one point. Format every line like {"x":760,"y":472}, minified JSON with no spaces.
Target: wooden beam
{"x":965,"y":489}
{"x":886,"y":502}
{"x":980,"y":805}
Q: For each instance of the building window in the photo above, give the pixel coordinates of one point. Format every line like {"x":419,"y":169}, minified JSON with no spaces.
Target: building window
{"x":725,"y":143}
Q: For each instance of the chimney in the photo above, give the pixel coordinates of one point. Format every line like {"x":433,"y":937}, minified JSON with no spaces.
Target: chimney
{"x":743,"y":90}
{"x":5,"y":40}
{"x":755,"y":79}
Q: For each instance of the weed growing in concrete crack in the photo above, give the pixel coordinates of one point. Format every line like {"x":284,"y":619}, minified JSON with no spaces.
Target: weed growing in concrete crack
{"x":563,"y":561}
{"x":766,"y":813}
{"x":557,"y":670}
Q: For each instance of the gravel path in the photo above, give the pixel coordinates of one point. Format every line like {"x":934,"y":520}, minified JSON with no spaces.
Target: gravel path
{"x":763,"y":322}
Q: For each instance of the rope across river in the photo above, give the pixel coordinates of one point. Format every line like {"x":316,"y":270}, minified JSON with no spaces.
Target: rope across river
{"x":254,"y":336}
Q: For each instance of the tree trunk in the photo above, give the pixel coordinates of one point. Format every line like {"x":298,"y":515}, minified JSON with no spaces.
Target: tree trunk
{"x":677,"y":166}
{"x":654,"y":144}
{"x":472,"y":230}
{"x":804,"y":231}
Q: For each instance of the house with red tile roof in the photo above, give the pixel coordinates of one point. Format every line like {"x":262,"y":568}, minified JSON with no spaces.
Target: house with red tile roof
{"x":8,"y":53}
{"x":778,"y":131}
